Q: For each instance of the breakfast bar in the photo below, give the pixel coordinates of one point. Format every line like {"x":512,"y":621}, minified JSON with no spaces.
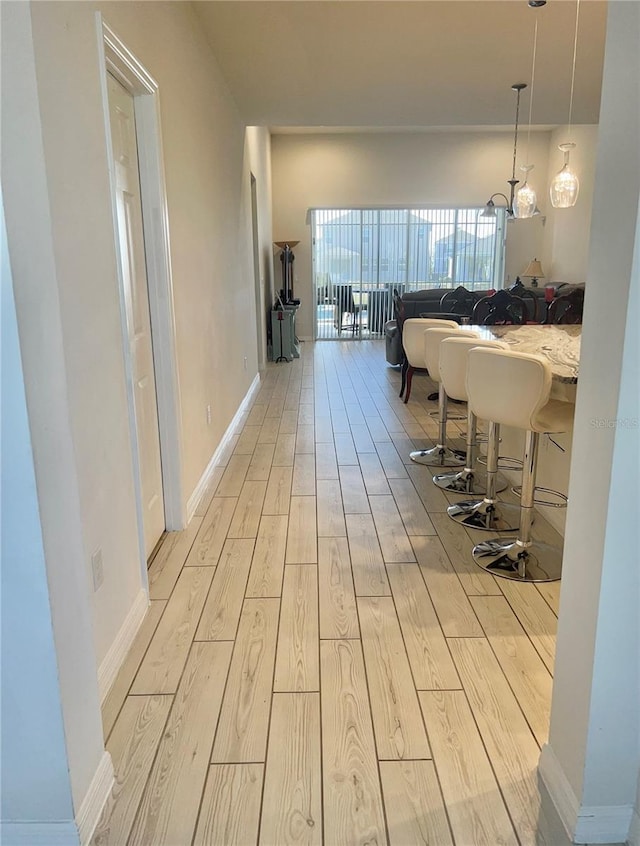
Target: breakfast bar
{"x":558,"y":344}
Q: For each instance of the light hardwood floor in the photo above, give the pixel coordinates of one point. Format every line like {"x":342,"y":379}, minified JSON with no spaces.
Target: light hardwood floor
{"x":322,"y":662}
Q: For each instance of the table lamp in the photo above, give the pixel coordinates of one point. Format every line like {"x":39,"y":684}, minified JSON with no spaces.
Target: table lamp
{"x":534,"y":272}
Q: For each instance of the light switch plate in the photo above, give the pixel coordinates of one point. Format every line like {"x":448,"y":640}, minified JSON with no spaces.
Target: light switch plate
{"x":97,"y":569}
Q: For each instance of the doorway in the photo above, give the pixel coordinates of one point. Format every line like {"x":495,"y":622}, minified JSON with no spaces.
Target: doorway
{"x":133,"y":272}
{"x":259,"y":293}
{"x":141,"y":229}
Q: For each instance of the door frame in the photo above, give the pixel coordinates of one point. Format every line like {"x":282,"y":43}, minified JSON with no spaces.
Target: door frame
{"x":117,"y":59}
{"x":257,"y":276}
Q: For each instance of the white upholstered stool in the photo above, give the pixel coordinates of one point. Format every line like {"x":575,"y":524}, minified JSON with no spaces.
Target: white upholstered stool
{"x":453,"y":376}
{"x":513,"y":389}
{"x":440,"y":455}
{"x":413,"y":331}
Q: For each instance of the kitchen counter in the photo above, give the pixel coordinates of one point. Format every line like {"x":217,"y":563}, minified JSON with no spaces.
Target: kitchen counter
{"x":560,"y":345}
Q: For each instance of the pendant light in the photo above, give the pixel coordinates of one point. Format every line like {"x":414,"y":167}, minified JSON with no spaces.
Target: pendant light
{"x":564,"y":187}
{"x":525,"y":203}
{"x":490,"y":208}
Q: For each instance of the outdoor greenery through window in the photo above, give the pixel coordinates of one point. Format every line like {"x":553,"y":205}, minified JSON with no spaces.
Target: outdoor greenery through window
{"x":361,"y":255}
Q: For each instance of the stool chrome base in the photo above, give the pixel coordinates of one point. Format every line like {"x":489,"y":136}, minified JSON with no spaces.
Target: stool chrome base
{"x":562,"y":502}
{"x":467,"y":482}
{"x":439,"y":456}
{"x":449,"y":416}
{"x":489,"y":517}
{"x":505,"y":462}
{"x":510,"y":559}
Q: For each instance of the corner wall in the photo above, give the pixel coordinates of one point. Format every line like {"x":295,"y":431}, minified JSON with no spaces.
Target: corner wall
{"x":590,"y":764}
{"x":33,"y":738}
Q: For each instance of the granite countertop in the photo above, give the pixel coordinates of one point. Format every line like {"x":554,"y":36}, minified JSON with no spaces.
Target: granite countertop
{"x":560,"y":345}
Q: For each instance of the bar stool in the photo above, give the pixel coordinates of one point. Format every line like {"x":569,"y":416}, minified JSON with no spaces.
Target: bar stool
{"x":440,"y":455}
{"x":413,"y":330}
{"x":514,"y":390}
{"x":453,"y":376}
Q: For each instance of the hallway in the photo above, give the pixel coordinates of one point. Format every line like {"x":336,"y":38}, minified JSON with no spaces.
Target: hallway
{"x":321,"y":663}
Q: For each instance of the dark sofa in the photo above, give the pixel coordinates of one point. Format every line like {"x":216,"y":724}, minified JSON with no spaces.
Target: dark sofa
{"x":414,"y":304}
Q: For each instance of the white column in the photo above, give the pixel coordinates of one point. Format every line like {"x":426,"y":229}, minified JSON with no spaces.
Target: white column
{"x":36,"y":789}
{"x":590,"y":764}
{"x":51,"y":598}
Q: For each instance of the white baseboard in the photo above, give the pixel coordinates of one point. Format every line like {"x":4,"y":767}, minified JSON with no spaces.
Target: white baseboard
{"x":560,"y":791}
{"x":201,"y":487}
{"x":634,"y":831}
{"x":76,"y":832}
{"x":95,"y":799}
{"x":603,"y":824}
{"x":39,"y":834}
{"x":112,"y":661}
{"x":583,"y":824}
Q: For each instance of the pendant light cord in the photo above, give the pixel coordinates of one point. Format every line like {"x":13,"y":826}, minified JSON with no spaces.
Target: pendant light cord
{"x":573,"y":67}
{"x":533,"y":77}
{"x":515,"y":137}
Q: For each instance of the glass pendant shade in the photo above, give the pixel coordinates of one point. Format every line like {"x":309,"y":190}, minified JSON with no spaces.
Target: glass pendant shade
{"x":525,"y":202}
{"x":564,"y":187}
{"x":489,"y":210}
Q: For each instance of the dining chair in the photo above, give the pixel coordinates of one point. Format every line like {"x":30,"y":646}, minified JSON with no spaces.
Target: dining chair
{"x":346,"y":305}
{"x":501,"y":308}
{"x":459,"y":301}
{"x":534,"y":313}
{"x":567,"y":309}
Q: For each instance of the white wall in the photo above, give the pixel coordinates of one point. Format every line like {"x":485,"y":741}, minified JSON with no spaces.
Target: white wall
{"x":37,"y":296}
{"x":591,"y":761}
{"x":211,"y":259}
{"x":62,"y":248}
{"x":634,"y":833}
{"x":566,"y":241}
{"x":395,"y":169}
{"x":33,"y":740}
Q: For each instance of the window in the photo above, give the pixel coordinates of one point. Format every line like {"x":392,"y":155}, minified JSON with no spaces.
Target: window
{"x":365,"y":253}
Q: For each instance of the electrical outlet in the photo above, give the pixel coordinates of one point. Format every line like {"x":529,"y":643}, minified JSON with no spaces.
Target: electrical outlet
{"x":245,"y":362}
{"x":209,"y":415}
{"x":97,"y":569}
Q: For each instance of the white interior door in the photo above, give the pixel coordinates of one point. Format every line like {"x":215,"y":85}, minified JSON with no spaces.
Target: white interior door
{"x":134,"y":275}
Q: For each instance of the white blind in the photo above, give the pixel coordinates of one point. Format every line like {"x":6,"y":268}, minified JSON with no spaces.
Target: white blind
{"x":361,"y":255}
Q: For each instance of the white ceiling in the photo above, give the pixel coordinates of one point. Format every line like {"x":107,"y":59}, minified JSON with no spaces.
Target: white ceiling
{"x":393,"y":63}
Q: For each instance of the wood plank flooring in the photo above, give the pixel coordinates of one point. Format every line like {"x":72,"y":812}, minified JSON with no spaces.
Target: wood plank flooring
{"x":322,"y":662}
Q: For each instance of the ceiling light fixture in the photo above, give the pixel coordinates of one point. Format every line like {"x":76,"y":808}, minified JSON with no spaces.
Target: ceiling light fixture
{"x":525,"y":199}
{"x":490,"y":208}
{"x":564,"y":187}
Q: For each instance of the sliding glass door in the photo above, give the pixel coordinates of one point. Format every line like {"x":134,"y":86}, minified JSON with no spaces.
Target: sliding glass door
{"x":360,"y":256}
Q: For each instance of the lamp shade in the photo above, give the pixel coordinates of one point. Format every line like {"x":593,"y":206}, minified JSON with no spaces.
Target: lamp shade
{"x":534,"y":270}
{"x":283,"y":244}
